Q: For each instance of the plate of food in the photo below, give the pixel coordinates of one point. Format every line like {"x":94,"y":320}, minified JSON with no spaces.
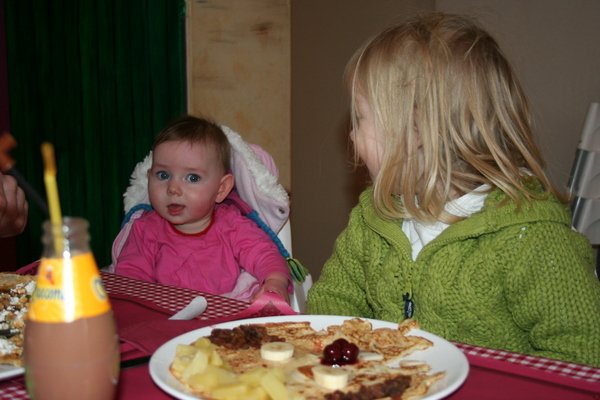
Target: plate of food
{"x":15,"y":292}
{"x":308,"y":357}
{"x":8,"y":371}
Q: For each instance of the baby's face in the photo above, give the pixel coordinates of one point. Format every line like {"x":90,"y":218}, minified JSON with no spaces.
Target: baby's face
{"x":184,"y":184}
{"x":366,"y":138}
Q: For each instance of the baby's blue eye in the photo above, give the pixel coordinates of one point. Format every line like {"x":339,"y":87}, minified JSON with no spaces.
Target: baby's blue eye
{"x":193,"y":178}
{"x":162,"y":175}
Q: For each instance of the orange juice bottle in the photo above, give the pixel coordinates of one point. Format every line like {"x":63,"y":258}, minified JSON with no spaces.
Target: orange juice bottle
{"x":71,"y":346}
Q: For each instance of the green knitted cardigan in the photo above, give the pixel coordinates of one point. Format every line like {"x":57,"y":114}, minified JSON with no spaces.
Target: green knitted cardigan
{"x":519,"y":280}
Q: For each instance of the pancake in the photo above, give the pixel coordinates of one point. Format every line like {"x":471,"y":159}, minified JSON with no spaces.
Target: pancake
{"x":15,"y":294}
{"x":234,"y":359}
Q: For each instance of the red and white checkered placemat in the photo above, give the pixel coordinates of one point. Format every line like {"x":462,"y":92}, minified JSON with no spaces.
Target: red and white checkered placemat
{"x":14,"y":390}
{"x":170,"y":297}
{"x":575,"y":371}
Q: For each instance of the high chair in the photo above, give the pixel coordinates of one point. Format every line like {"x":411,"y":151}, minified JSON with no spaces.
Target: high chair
{"x":257,"y":193}
{"x":298,"y":299}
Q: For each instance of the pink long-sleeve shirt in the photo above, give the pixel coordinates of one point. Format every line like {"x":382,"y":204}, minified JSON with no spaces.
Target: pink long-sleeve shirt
{"x":209,"y":261}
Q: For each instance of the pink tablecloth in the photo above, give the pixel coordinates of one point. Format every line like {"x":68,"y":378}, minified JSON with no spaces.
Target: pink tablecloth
{"x":140,"y":306}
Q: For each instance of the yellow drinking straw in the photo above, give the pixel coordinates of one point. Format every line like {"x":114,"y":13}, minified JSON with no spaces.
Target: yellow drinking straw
{"x":52,"y":194}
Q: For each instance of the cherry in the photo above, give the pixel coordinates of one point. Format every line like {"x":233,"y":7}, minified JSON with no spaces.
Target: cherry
{"x":340,"y":352}
{"x":332,"y":352}
{"x":350,"y":353}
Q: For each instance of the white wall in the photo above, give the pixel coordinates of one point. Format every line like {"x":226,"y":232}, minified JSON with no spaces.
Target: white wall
{"x":554,"y":46}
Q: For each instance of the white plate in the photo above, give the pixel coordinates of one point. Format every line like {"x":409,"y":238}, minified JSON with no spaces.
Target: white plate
{"x":442,"y":356}
{"x":8,"y":371}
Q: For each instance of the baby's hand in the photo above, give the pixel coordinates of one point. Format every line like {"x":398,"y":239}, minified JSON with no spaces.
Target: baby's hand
{"x":274,"y":285}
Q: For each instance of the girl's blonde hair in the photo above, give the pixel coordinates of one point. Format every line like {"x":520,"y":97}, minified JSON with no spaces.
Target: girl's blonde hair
{"x":441,"y":82}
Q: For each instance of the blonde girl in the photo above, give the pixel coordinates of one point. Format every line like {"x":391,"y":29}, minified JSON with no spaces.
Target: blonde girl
{"x":462,"y":229}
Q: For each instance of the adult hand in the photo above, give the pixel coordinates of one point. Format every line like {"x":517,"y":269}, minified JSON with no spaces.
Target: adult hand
{"x":13,"y":207}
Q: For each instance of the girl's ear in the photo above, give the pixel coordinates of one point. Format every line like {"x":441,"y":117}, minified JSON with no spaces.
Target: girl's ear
{"x":227,"y":182}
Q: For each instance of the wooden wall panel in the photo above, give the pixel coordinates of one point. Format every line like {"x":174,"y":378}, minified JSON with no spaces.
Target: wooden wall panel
{"x":239,"y":70}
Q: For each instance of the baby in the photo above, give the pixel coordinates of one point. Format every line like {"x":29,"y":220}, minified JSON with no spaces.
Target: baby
{"x":192,"y":238}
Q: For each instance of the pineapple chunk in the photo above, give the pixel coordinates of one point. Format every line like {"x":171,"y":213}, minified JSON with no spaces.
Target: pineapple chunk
{"x":203,"y":382}
{"x":203,"y":343}
{"x":256,"y":393}
{"x":274,"y":386}
{"x":253,"y":377}
{"x":196,"y":366}
{"x":185,"y":350}
{"x":215,"y":359}
{"x":233,"y":391}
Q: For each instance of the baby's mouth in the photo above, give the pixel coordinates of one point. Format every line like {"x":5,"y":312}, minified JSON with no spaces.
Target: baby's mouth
{"x":175,"y":209}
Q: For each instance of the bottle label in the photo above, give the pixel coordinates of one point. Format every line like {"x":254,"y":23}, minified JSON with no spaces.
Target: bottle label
{"x":68,"y":289}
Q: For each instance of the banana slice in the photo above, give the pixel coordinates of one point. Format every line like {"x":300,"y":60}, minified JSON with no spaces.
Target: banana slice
{"x":277,"y":351}
{"x":331,"y":378}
